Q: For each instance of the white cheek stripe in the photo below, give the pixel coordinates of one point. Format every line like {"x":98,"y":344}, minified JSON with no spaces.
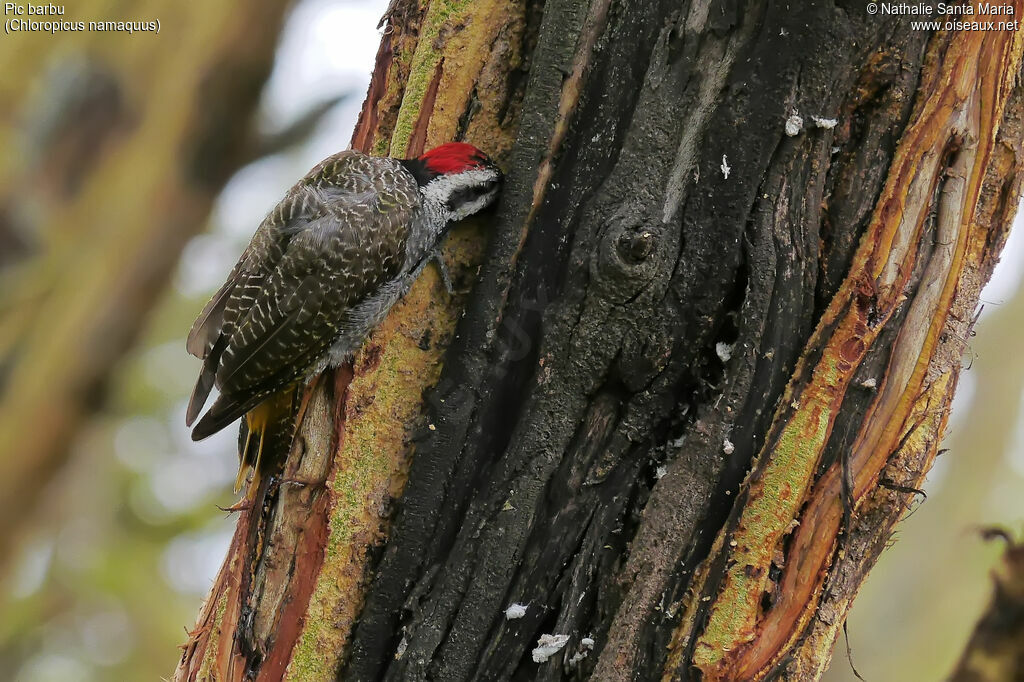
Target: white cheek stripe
{"x":470,"y":209}
{"x":443,"y":186}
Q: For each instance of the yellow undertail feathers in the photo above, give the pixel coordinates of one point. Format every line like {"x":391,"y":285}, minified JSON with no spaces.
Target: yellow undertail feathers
{"x":269,"y":428}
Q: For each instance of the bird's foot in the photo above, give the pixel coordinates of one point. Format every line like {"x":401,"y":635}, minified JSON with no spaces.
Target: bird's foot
{"x":446,"y":275}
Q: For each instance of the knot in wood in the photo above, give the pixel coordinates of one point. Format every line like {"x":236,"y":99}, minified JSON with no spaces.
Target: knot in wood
{"x":626,"y":258}
{"x":636,"y":246}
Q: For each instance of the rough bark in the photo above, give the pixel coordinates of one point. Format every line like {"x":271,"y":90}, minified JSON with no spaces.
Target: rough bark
{"x":117,"y":147}
{"x":695,"y":331}
{"x":291,"y":587}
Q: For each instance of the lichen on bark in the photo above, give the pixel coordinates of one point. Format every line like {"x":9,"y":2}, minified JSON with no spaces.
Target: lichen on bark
{"x":647,"y":332}
{"x":378,"y":410}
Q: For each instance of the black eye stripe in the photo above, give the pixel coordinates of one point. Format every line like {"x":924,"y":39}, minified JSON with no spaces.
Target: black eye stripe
{"x":466,"y":195}
{"x":461,"y":196}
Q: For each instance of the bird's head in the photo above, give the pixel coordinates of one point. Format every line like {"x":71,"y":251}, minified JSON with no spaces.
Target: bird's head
{"x":457,"y":176}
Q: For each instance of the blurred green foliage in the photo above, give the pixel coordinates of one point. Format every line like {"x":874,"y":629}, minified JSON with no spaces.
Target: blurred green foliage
{"x":129,"y":534}
{"x":105,"y":585}
{"x":125,"y":540}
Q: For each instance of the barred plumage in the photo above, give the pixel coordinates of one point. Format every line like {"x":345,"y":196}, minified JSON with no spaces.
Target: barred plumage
{"x":323,"y":269}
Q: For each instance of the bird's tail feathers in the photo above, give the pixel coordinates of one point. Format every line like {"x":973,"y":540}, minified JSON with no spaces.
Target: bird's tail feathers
{"x":205,"y":382}
{"x":225,"y":409}
{"x":265,"y":437}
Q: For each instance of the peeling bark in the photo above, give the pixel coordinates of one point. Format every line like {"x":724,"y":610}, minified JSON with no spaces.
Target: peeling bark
{"x":693,"y":334}
{"x":300,"y":560}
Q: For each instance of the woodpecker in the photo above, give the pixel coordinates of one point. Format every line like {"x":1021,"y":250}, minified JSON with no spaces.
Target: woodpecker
{"x":322,"y":270}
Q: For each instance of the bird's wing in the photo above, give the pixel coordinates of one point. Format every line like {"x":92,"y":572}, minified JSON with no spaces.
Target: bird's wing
{"x":206,"y":329}
{"x":325,"y":248}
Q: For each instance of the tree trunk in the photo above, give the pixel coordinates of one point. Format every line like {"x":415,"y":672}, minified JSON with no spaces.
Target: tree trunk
{"x":727,"y":289}
{"x":119,"y":145}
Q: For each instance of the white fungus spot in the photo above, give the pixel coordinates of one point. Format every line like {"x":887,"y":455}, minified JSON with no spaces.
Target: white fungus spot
{"x":794,"y":124}
{"x":724,"y":351}
{"x":402,"y":646}
{"x":725,"y":167}
{"x":585,"y":647}
{"x":660,"y":472}
{"x":826,"y":123}
{"x":548,"y":646}
{"x":869,"y":383}
{"x":515,"y":611}
{"x":728,"y":447}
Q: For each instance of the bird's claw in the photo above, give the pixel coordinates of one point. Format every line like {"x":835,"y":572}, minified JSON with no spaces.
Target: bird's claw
{"x":442,"y":267}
